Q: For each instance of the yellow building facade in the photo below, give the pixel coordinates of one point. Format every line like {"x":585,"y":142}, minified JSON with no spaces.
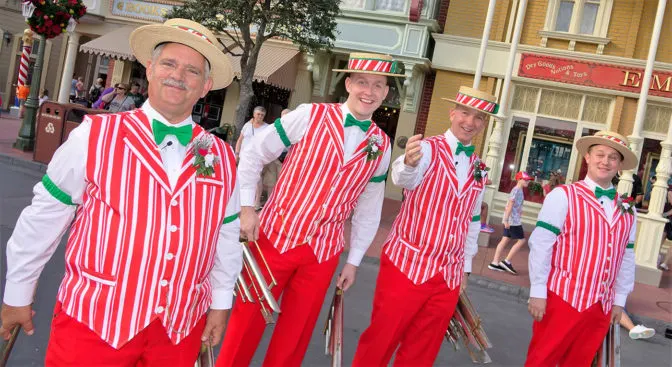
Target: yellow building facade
{"x":578,"y":68}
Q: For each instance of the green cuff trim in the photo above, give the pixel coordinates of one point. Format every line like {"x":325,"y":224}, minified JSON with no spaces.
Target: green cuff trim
{"x":549,"y":227}
{"x":476,"y":218}
{"x":630,"y":245}
{"x":380,"y":178}
{"x":56,"y":192}
{"x":231,"y":218}
{"x":282,"y":133}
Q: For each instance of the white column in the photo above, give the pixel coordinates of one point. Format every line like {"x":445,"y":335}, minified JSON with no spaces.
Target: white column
{"x":492,"y":158}
{"x":636,"y":140}
{"x":484,"y":43}
{"x":68,"y":67}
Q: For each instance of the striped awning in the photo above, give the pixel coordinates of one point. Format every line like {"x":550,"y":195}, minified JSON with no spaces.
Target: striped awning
{"x":276,"y":65}
{"x":115,"y":45}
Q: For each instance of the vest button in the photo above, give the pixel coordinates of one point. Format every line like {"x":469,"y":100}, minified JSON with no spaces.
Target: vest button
{"x":173,"y":228}
{"x":173,"y":203}
{"x":169,"y":256}
{"x":164,"y":283}
{"x":159,"y":309}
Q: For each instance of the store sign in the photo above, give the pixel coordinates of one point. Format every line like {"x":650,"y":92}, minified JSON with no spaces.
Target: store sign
{"x":141,"y":10}
{"x":593,"y":74}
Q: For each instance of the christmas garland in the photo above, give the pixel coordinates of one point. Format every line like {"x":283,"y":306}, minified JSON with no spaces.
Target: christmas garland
{"x":51,"y":18}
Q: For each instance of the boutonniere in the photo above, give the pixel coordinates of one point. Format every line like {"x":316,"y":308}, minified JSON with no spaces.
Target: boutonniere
{"x":626,"y":204}
{"x":374,"y":147}
{"x":479,"y":170}
{"x":204,"y":159}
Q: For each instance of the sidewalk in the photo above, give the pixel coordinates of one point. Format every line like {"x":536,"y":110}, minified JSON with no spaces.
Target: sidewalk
{"x":645,"y":300}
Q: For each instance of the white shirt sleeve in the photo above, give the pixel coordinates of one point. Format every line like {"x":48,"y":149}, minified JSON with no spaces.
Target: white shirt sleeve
{"x":625,"y":279}
{"x":41,"y":225}
{"x":471,"y":243}
{"x":553,"y":214}
{"x":266,"y":147}
{"x":410,"y":177}
{"x":228,"y":257}
{"x":366,"y":216}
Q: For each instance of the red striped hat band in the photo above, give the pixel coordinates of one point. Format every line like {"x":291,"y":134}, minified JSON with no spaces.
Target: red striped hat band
{"x":477,"y":103}
{"x":378,"y":65}
{"x":193,"y":31}
{"x":613,"y":138}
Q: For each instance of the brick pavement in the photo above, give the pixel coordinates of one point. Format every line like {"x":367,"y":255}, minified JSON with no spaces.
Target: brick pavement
{"x":645,"y":300}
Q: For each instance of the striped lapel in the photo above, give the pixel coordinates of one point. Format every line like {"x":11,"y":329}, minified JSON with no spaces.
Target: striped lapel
{"x":359,"y":152}
{"x":445,"y":157}
{"x":334,"y":126}
{"x":589,"y":198}
{"x":188,"y":171}
{"x":470,"y":177}
{"x":140,"y":141}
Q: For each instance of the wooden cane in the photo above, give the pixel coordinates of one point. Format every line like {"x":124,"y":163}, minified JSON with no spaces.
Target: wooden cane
{"x":7,"y":345}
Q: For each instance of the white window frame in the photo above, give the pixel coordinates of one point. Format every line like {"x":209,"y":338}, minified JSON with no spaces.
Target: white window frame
{"x":599,"y":36}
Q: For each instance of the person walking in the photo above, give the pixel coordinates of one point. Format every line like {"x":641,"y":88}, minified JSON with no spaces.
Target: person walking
{"x":513,"y":226}
{"x":582,"y":260}
{"x":336,"y":168}
{"x":153,"y":252}
{"x":428,"y":253}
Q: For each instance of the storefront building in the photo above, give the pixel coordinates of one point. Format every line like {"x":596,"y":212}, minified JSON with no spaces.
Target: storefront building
{"x":578,"y":68}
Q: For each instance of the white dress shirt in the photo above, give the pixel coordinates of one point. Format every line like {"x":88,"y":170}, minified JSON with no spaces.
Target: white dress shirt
{"x":410,"y":177}
{"x":554,"y":212}
{"x":42,"y":224}
{"x":267,"y":146}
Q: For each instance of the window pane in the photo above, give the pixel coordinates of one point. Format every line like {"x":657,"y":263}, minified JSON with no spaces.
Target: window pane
{"x":513,"y":154}
{"x":391,"y":5}
{"x":560,"y":104}
{"x":596,"y":109}
{"x":356,"y":4}
{"x":525,"y":98}
{"x":564,"y":16}
{"x":588,"y":18}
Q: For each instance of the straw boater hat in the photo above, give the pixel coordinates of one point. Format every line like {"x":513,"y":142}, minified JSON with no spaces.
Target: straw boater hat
{"x":477,"y":100}
{"x":612,"y":140}
{"x":145,"y":39}
{"x":376,"y":64}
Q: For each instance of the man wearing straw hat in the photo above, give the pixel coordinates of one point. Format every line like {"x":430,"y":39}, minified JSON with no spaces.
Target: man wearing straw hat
{"x":582,"y":261}
{"x":335,"y":168}
{"x":433,"y":240}
{"x":154,"y":243}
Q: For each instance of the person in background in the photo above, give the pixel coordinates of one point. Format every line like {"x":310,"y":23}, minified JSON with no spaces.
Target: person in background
{"x":251,"y":129}
{"x":44,"y":96}
{"x":513,"y":226}
{"x":79,"y":88}
{"x":96,"y":90}
{"x":73,"y":89}
{"x":138,"y":98}
{"x":119,"y":101}
{"x":99,"y":103}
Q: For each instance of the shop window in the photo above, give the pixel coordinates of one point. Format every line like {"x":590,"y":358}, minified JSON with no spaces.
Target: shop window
{"x":560,"y":104}
{"x":578,"y":20}
{"x":391,"y":5}
{"x":596,"y":109}
{"x":513,"y":153}
{"x":353,"y":4}
{"x":657,"y":118}
{"x":385,"y":5}
{"x":525,"y":99}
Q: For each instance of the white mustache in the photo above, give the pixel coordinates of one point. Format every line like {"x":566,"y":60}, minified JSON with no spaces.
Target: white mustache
{"x":174,"y":83}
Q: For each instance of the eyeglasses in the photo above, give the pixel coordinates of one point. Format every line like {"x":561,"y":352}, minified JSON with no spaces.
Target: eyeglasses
{"x":120,"y":88}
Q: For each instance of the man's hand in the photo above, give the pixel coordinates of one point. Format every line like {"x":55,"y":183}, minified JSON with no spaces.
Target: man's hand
{"x":347,"y":277}
{"x":214,"y":327}
{"x":537,"y":308}
{"x":507,"y":225}
{"x":249,"y":223}
{"x":616,"y":313}
{"x":12,"y":316}
{"x":413,"y":151}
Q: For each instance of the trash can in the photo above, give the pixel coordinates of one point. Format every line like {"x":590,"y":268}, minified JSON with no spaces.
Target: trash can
{"x":74,"y":117}
{"x":49,"y":130}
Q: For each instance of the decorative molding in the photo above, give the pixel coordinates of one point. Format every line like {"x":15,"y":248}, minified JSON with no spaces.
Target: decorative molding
{"x":411,"y":88}
{"x":318,"y":64}
{"x":573,"y":38}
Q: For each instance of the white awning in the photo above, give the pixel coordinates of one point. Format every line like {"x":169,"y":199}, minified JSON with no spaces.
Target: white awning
{"x":114,"y":44}
{"x":276,"y":65}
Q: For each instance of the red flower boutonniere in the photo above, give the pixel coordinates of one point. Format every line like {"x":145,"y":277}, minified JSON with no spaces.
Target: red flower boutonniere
{"x":204,"y":159}
{"x":626,"y":204}
{"x":374,"y":147}
{"x":480,"y":170}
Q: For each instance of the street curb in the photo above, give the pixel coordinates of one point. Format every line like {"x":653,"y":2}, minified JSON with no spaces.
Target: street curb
{"x":36,"y":167}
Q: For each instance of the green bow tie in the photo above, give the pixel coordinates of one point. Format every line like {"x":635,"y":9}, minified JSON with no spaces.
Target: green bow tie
{"x":467,"y":150}
{"x":350,"y":120}
{"x":160,"y":130}
{"x":610,"y":193}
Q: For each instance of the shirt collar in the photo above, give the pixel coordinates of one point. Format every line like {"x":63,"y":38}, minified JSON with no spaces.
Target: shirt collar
{"x":153,"y":114}
{"x":592,"y":184}
{"x":452,"y":140}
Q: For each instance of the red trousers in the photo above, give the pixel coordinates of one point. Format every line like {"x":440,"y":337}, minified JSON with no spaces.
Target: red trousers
{"x":566,"y":337}
{"x":413,"y":317}
{"x":73,"y":344}
{"x":303,"y":283}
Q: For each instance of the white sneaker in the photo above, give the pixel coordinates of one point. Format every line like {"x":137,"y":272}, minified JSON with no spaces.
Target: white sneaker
{"x":641,"y":332}
{"x":663,"y":266}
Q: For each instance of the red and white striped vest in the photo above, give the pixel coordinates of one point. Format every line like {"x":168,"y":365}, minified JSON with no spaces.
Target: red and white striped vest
{"x":429,"y":234}
{"x":139,"y":250}
{"x":588,"y":253}
{"x":317,"y":191}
